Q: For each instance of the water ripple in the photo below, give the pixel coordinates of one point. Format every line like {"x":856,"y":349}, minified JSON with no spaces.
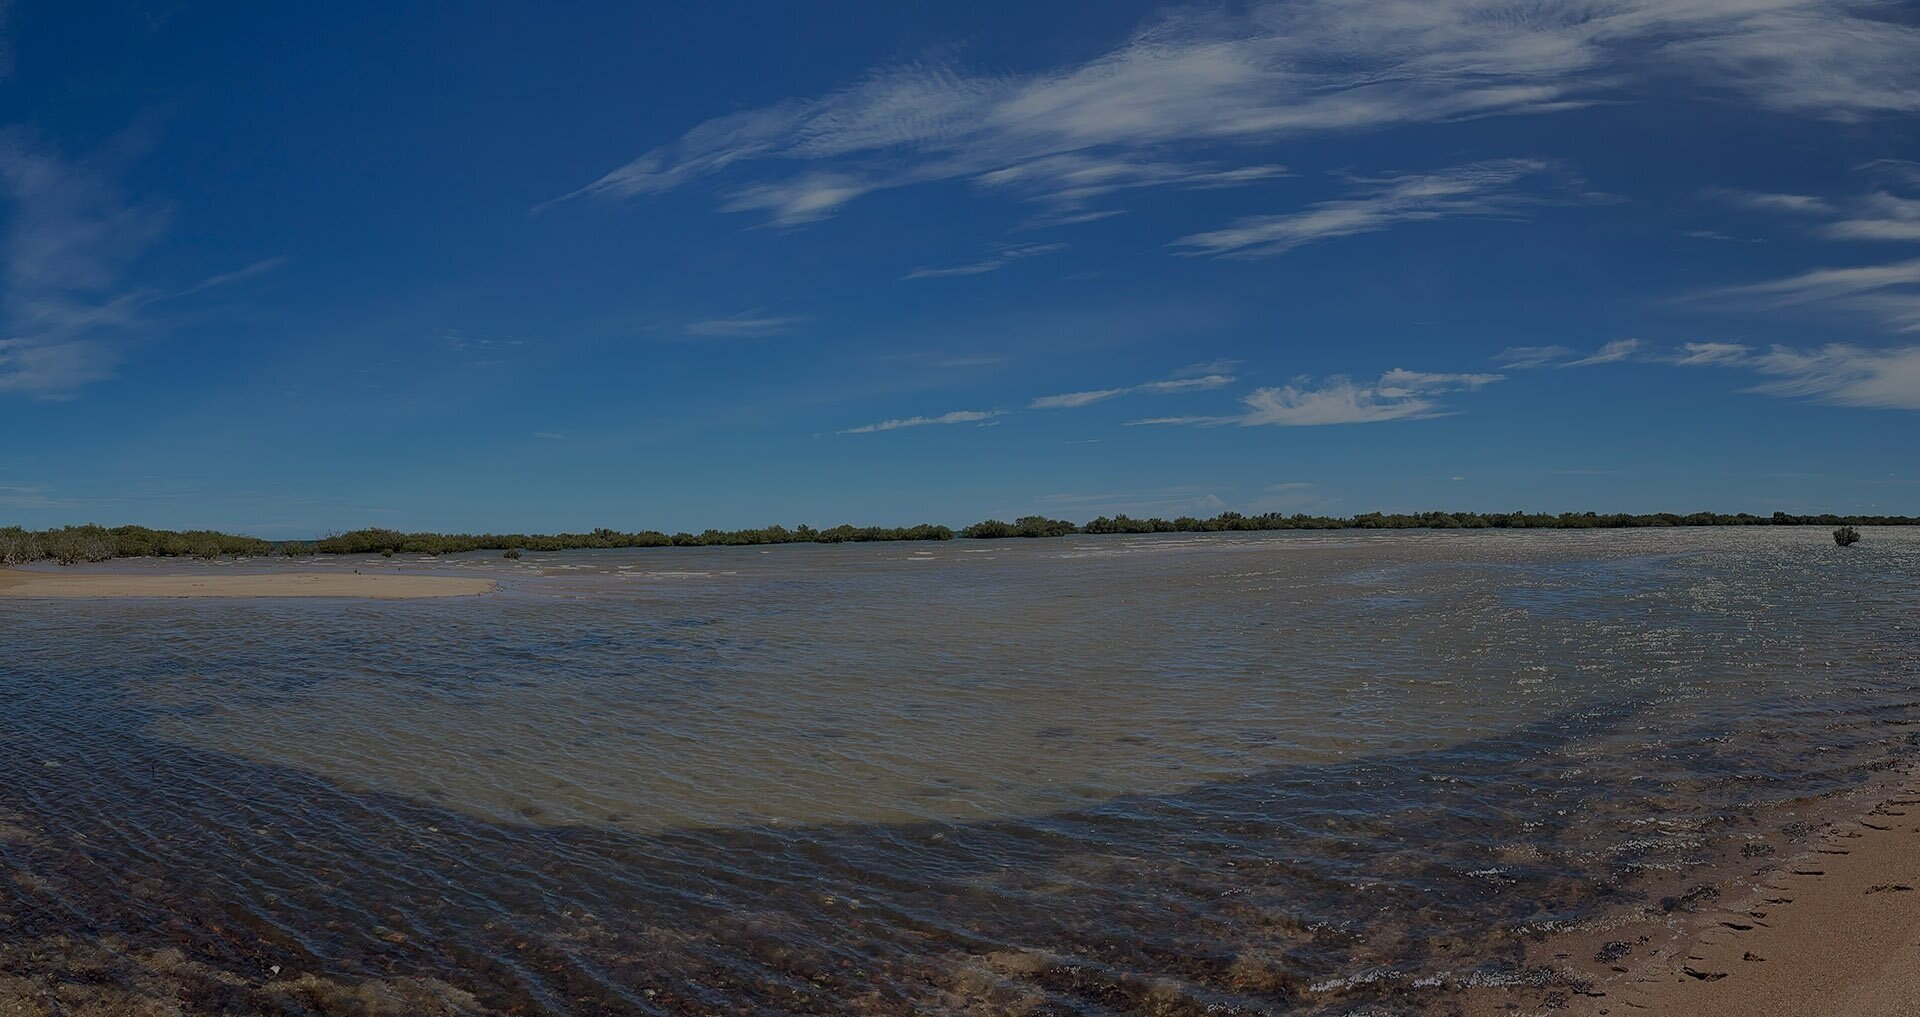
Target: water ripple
{"x":1231,"y":775}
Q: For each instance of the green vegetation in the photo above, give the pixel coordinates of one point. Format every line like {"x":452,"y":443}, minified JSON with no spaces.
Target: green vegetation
{"x":1227,"y":521}
{"x":71,"y":545}
{"x":1025,"y":526}
{"x":74,"y":544}
{"x":377,"y":541}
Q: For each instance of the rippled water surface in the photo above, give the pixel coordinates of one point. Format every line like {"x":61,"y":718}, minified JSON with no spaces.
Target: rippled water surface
{"x":1173,"y":774}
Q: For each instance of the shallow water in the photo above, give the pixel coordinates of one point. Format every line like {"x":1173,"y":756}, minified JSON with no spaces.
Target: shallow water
{"x":1170,"y":774}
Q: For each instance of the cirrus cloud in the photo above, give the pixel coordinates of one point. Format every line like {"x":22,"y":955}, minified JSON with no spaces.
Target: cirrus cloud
{"x":1399,"y":394}
{"x":743,"y":326}
{"x":1477,"y":190}
{"x":955,"y":417}
{"x":71,"y":237}
{"x":1840,"y":374}
{"x":1073,"y":400}
{"x":1197,"y":78}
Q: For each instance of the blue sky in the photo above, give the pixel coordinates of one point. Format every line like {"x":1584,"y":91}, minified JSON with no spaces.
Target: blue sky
{"x":537,"y":266}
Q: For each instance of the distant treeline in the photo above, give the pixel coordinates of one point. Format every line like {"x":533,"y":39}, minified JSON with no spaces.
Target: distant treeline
{"x":379,"y":541}
{"x":1449,"y":521}
{"x":73,"y":544}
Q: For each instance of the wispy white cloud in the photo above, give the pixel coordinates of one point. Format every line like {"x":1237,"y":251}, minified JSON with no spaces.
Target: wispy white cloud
{"x":1526,"y":357}
{"x":1476,"y":189}
{"x":1203,"y":421}
{"x":1708,"y":354}
{"x":1000,"y":258}
{"x":1339,"y":401}
{"x":956,"y":417}
{"x":1839,"y":373}
{"x":1073,"y":400}
{"x":1722,"y":237}
{"x":72,"y":229}
{"x":1398,"y":395}
{"x":743,"y":326}
{"x":1205,"y":381}
{"x":1840,"y":60}
{"x":1400,"y":383}
{"x":1219,"y":365}
{"x":1879,"y":216}
{"x":53,"y":370}
{"x":1523,"y":357}
{"x":1072,"y":179}
{"x":259,"y":268}
{"x":800,"y":200}
{"x":1890,"y":291}
{"x":1762,"y":201}
{"x":1201,"y":78}
{"x":1832,"y":283}
{"x":460,"y":341}
{"x":69,"y":241}
{"x":1609,"y":353}
{"x":1902,"y":172}
{"x":1842,"y":374}
{"x":1070,"y":217}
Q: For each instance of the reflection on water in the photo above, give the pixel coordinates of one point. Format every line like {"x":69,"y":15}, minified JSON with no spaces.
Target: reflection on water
{"x":1170,"y":774}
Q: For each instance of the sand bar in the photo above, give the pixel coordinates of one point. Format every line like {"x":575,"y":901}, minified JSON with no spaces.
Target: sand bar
{"x":23,"y":583}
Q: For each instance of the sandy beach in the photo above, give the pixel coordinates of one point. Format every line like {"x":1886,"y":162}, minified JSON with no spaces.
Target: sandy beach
{"x":1833,"y":930}
{"x":24,"y":583}
{"x":1830,"y":928}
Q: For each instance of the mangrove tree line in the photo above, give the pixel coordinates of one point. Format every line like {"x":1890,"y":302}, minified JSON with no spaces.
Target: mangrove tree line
{"x":73,"y":544}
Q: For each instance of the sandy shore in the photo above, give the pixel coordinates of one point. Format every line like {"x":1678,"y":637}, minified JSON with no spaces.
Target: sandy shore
{"x":1827,"y":928}
{"x":23,"y":583}
{"x":1833,"y":930}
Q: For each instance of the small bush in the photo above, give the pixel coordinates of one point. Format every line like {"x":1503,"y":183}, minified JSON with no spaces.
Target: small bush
{"x":513,"y":554}
{"x":1846,"y":536}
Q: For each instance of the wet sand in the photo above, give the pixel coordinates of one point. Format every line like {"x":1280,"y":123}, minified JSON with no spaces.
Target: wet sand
{"x":1834,"y":930}
{"x":23,"y":583}
{"x":1828,"y":928}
